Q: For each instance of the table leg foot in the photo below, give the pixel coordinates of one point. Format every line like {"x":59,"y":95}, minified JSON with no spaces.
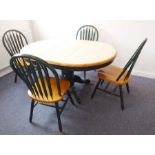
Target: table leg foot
{"x":69,"y":75}
{"x":79,"y":80}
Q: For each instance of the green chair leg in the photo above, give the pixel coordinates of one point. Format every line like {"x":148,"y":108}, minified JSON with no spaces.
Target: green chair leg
{"x":127,"y":87}
{"x":15,"y":78}
{"x":31,"y":111}
{"x":121,"y":97}
{"x":58,"y":116}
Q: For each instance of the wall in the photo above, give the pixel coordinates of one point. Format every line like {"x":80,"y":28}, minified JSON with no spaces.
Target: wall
{"x":21,"y":25}
{"x":125,"y":36}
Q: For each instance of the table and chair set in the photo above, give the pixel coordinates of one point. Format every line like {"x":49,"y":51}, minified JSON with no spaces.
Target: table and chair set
{"x":37,"y":63}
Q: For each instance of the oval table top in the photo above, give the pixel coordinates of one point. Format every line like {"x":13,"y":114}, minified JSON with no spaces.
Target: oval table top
{"x":72,"y":54}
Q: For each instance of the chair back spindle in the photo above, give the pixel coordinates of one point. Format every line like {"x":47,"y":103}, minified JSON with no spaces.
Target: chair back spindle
{"x":36,"y":74}
{"x":87,"y":32}
{"x":130,"y":64}
{"x":14,"y":41}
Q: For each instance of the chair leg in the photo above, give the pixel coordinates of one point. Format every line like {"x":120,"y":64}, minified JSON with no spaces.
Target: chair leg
{"x":121,"y":97}
{"x":101,"y":82}
{"x":70,"y":97}
{"x":127,"y":87}
{"x":107,"y":85}
{"x":114,"y":90}
{"x":95,"y":88}
{"x":84,"y":75}
{"x":58,"y":116}
{"x":31,"y":111}
{"x":15,"y":78}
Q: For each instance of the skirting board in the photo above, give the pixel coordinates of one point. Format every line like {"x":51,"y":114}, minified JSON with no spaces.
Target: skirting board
{"x":5,"y":71}
{"x":135,"y":72}
{"x":144,"y":74}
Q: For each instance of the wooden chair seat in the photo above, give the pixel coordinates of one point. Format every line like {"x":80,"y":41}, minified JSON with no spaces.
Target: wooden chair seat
{"x":64,"y":87}
{"x":111,"y":73}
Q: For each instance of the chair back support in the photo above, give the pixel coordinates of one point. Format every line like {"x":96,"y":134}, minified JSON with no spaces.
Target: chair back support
{"x":130,"y":64}
{"x":14,"y":41}
{"x":36,"y":73}
{"x":87,"y":32}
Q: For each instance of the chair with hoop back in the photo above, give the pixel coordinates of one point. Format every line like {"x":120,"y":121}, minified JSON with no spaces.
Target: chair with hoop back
{"x":13,"y":41}
{"x":118,"y":76}
{"x":44,"y":85}
{"x":87,"y":32}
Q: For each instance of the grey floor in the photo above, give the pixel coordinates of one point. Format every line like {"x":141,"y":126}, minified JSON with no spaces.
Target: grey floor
{"x":100,"y":115}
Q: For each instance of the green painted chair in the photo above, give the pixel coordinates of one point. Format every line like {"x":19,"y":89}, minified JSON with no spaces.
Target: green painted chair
{"x":87,"y":32}
{"x":118,"y":76}
{"x":13,"y":41}
{"x":44,"y":85}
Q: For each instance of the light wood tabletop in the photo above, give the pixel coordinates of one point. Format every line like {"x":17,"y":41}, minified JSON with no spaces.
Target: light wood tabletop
{"x":73,"y":53}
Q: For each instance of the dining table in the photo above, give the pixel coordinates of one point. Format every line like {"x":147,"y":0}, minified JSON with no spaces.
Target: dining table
{"x":72,"y":55}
